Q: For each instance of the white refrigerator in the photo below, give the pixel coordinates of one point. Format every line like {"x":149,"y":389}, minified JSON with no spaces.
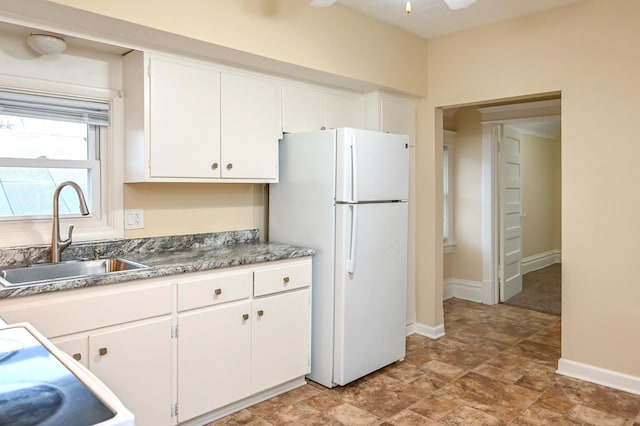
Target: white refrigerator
{"x":344,"y":193}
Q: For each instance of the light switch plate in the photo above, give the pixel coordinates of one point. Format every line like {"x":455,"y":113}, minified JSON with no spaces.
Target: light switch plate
{"x":134,"y":219}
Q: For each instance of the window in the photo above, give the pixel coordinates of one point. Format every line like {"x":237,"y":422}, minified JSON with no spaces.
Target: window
{"x":49,"y":139}
{"x":36,"y":155}
{"x":447,"y":180}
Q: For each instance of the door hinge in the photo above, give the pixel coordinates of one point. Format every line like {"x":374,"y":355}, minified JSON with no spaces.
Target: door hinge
{"x":174,"y":332}
{"x":174,"y":410}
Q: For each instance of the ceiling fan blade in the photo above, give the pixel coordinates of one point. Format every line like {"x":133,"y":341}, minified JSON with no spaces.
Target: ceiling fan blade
{"x":322,"y":3}
{"x":459,"y":4}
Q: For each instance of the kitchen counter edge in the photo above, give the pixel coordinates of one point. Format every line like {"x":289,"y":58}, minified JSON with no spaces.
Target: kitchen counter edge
{"x":172,"y":263}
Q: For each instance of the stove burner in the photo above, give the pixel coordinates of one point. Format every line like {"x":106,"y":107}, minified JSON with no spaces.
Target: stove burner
{"x":28,"y":404}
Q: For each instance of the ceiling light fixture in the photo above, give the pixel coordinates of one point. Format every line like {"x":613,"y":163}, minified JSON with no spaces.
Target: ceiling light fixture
{"x":46,"y":44}
{"x":407,"y":7}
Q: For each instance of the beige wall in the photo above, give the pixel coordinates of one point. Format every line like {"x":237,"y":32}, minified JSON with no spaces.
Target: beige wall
{"x":467,"y":181}
{"x":540,"y":187}
{"x":447,"y":266}
{"x":183,"y":208}
{"x":586,"y":51}
{"x":334,"y":40}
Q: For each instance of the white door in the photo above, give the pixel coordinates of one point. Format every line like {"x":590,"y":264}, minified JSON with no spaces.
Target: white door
{"x":214,"y":358}
{"x":184,"y":143}
{"x":280,"y":339}
{"x":511,"y":212}
{"x":250,"y":127}
{"x":371,"y":166}
{"x":370,"y":288}
{"x":75,"y":347}
{"x":135,"y":363}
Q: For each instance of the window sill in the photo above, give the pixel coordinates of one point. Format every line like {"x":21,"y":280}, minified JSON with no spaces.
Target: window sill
{"x":449,"y":248}
{"x":38,"y":232}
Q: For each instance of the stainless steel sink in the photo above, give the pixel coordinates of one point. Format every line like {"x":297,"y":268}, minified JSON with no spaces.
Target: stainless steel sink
{"x":42,"y":273}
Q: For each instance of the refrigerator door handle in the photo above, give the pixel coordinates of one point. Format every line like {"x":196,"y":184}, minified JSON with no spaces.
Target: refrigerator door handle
{"x":351,"y":262}
{"x":354,"y":169}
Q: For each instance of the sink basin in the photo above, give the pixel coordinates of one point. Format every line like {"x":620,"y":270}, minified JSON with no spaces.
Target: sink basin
{"x":41,"y":273}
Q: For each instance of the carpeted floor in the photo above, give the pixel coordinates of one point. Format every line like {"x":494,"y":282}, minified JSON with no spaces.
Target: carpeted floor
{"x":541,"y":290}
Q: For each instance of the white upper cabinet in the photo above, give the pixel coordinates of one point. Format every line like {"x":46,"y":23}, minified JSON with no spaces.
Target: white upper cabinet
{"x":250,"y":127}
{"x":191,"y":121}
{"x":184,"y":120}
{"x":390,"y":113}
{"x":308,"y":108}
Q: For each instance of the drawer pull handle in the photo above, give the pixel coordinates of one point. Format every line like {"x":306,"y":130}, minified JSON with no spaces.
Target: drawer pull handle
{"x":260,"y":313}
{"x":102,"y":351}
{"x":218,"y":291}
{"x":286,"y":280}
{"x":77,"y":357}
{"x":229,"y":166}
{"x":245,"y":316}
{"x":214,"y":166}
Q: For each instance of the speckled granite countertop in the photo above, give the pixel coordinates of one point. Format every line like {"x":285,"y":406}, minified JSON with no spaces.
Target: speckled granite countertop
{"x":165,"y":256}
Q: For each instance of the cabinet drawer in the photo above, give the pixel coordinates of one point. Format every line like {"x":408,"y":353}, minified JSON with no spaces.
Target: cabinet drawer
{"x":211,"y":289}
{"x":281,"y":278}
{"x":63,"y":313}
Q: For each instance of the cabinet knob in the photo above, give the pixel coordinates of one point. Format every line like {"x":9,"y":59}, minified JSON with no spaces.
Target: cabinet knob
{"x":77,"y":357}
{"x":102,"y":351}
{"x":245,"y":316}
{"x":286,"y":280}
{"x":260,"y":313}
{"x":217,"y":291}
{"x":229,"y":166}
{"x":214,"y":166}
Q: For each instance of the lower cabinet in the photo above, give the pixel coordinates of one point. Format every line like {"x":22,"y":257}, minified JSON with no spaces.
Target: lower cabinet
{"x":231,"y":350}
{"x":187,"y":348}
{"x":134,"y":361}
{"x":214,"y":353}
{"x":280,"y":329}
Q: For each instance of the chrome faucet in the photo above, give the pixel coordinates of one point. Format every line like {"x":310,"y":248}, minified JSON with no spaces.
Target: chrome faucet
{"x":57,"y":244}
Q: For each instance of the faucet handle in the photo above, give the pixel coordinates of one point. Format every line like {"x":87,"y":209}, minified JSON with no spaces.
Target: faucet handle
{"x":63,"y":244}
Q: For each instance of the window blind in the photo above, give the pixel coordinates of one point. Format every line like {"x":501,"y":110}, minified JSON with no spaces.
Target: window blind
{"x":54,"y":108}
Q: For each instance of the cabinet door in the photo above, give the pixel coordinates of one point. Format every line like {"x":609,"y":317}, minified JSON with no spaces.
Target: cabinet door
{"x":281,"y":339}
{"x":214,"y":358}
{"x":344,"y":111}
{"x":250,"y":127}
{"x":184,"y":120}
{"x":303,"y":109}
{"x":398,"y":116}
{"x":135,"y":363}
{"x":75,"y":347}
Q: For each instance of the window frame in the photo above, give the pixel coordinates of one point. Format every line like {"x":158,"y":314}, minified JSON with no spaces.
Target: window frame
{"x":448,"y":156}
{"x":106,"y":220}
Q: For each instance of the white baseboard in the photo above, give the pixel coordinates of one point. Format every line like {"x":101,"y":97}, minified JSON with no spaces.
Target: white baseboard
{"x":247,"y":402}
{"x":427,"y":330}
{"x":541,"y":260}
{"x":598,"y":375}
{"x":463,"y":289}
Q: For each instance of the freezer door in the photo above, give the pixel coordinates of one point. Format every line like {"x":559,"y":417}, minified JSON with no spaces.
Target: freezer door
{"x":371,"y":288}
{"x":371,"y":166}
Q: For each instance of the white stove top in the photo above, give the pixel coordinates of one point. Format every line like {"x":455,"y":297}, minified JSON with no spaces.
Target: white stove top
{"x":40,"y":385}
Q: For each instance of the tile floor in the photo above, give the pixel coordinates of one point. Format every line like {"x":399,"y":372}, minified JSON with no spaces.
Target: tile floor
{"x":495,"y":366}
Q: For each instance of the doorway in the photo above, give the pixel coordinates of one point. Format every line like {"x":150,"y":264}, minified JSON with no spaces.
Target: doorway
{"x":473,"y":262}
{"x":521,"y":217}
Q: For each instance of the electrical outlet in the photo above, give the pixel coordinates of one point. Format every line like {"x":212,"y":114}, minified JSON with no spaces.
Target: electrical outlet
{"x":134,"y":219}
